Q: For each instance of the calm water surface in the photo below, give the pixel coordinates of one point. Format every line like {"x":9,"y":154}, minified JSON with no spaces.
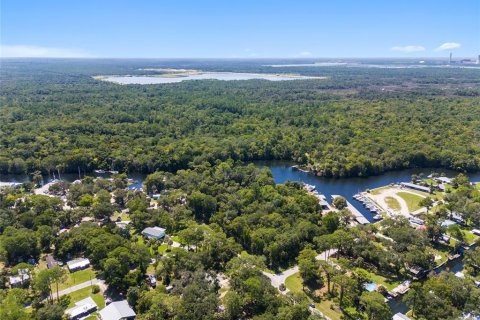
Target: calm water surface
{"x":226,"y":76}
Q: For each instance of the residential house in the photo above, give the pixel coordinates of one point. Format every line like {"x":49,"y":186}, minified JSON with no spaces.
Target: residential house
{"x":119,"y":310}
{"x":51,"y":262}
{"x":154,"y":233}
{"x":82,"y":308}
{"x":78,"y":264}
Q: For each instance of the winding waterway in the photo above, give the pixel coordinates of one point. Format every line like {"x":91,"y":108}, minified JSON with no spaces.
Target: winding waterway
{"x":347,"y":187}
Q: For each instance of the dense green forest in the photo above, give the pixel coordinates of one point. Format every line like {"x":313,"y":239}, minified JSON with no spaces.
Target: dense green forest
{"x":357,"y":122}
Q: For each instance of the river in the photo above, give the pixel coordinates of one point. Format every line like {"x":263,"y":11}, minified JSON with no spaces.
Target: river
{"x":347,"y":187}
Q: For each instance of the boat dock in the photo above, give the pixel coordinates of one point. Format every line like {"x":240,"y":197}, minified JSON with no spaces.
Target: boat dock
{"x":357,"y":214}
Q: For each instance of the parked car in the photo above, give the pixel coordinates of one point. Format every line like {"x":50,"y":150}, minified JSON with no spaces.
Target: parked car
{"x":152,"y":281}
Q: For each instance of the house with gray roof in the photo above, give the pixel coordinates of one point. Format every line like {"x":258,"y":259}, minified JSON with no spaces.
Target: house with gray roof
{"x":118,"y":310}
{"x":154,"y":233}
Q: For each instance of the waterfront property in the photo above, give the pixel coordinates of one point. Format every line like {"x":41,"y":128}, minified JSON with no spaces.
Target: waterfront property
{"x":357,"y":214}
{"x":400,"y":316}
{"x":415,"y":187}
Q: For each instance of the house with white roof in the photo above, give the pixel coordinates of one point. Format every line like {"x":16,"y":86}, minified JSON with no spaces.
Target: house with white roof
{"x":18,"y":280}
{"x":78,"y":264}
{"x":82,"y":308}
{"x":119,"y":310}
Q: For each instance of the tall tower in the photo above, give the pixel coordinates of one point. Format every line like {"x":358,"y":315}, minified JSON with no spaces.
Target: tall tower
{"x":450,"y":60}
{"x":478,"y":59}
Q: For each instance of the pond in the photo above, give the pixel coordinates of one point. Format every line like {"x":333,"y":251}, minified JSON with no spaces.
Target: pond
{"x":225,"y":76}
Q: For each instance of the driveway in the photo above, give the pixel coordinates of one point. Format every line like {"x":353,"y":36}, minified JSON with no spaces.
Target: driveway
{"x":278,"y":278}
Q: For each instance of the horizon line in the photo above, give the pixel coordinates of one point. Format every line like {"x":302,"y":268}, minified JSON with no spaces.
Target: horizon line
{"x":240,"y":58}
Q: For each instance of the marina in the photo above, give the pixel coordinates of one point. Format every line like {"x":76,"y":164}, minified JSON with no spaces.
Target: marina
{"x":357,"y":214}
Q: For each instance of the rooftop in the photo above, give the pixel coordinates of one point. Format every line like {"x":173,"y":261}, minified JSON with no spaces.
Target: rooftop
{"x":86,"y":305}
{"x":154,"y":231}
{"x":116,"y":311}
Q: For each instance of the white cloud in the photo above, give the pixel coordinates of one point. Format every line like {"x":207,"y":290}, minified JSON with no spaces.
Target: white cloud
{"x":408,"y":49}
{"x":25,"y":51}
{"x":448,"y":46}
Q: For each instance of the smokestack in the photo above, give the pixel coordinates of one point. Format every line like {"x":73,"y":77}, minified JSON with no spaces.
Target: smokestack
{"x":450,"y":60}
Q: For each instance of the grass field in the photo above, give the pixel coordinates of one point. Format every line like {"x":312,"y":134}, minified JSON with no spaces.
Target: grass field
{"x":379,"y":190}
{"x":412,"y":200}
{"x":84,"y":293}
{"x":470,"y":238}
{"x":294,"y":284}
{"x":392,"y":203}
{"x":74,"y":278}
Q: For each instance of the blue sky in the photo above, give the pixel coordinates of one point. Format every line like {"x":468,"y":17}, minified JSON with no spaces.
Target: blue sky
{"x":240,"y":29}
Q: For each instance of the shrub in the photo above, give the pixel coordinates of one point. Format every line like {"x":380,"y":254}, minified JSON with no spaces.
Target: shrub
{"x":95,"y":289}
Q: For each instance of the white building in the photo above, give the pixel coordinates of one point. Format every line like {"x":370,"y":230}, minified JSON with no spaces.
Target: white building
{"x":119,"y":310}
{"x":22,"y":277}
{"x":78,"y":264}
{"x":82,"y":308}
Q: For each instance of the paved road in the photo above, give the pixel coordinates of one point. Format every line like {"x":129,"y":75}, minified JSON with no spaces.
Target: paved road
{"x":279,"y":278}
{"x":79,"y":286}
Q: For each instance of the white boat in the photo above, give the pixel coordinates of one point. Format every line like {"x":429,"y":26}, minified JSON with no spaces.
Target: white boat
{"x":99,"y":171}
{"x":113,"y":171}
{"x":309,"y":187}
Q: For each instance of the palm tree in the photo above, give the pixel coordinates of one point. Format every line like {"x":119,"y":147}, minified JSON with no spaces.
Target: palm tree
{"x":57,"y":275}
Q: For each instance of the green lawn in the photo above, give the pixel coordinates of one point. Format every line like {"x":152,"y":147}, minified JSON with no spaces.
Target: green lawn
{"x":84,"y":293}
{"x":470,"y":238}
{"x":378,"y":279}
{"x":294,"y":284}
{"x":392,"y":203}
{"x":162,"y":248}
{"x":442,"y":253}
{"x":412,"y":200}
{"x":74,"y":278}
{"x":124,"y":216}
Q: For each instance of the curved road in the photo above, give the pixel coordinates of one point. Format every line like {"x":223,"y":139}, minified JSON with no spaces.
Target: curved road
{"x":279,"y":278}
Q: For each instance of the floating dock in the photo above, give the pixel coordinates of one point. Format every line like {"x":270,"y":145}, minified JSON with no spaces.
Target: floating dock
{"x":357,"y":214}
